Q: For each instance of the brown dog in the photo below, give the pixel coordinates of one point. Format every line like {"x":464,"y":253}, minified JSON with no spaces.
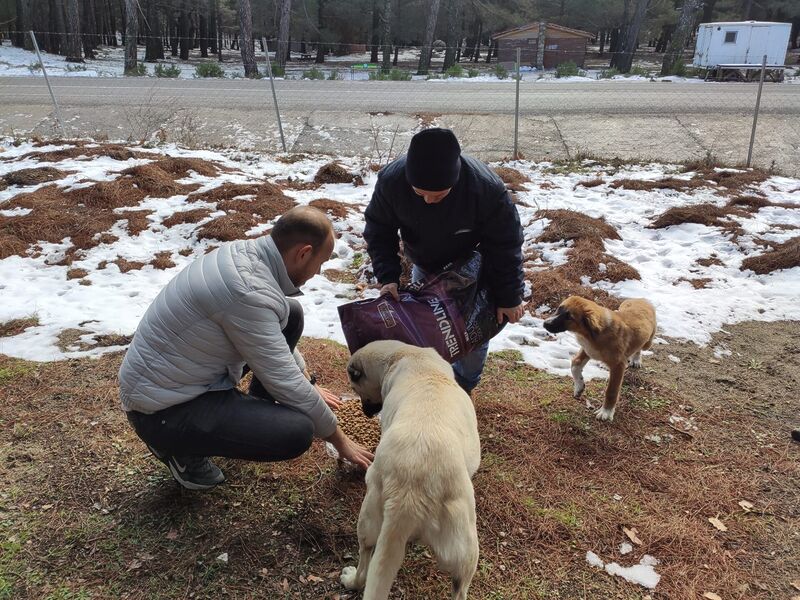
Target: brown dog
{"x":615,"y":338}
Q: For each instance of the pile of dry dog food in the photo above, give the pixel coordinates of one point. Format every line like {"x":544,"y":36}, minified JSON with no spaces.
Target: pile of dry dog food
{"x":358,"y":427}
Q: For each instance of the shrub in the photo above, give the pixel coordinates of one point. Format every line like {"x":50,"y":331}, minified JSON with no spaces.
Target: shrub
{"x":74,"y":68}
{"x":313,"y":73}
{"x":209,"y":69}
{"x":278,"y":71}
{"x":473,"y":73}
{"x":608,"y":73}
{"x":639,"y":70}
{"x":334,"y":75}
{"x":455,"y":71}
{"x":568,"y":69}
{"x":500,"y":71}
{"x":167,"y":71}
{"x":140,"y":70}
{"x":393,"y":75}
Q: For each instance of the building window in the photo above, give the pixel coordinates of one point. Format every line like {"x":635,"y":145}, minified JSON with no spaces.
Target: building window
{"x":551,"y":47}
{"x":730,"y":37}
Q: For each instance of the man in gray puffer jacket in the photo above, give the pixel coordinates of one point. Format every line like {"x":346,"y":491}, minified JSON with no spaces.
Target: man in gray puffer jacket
{"x":227,"y":311}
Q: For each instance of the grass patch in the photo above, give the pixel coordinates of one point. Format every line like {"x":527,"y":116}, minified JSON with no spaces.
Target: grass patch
{"x":168,"y":71}
{"x":569,"y":69}
{"x":209,"y":69}
{"x":334,"y":208}
{"x":513,"y":179}
{"x":17,"y":326}
{"x":566,"y":225}
{"x":455,"y":70}
{"x":782,"y":256}
{"x":140,"y":70}
{"x":313,"y":73}
{"x":392,"y":75}
{"x":34,"y":176}
{"x":335,"y":173}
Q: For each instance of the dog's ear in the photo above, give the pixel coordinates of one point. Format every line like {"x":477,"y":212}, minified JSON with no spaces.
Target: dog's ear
{"x":592,"y":323}
{"x":354,"y":373}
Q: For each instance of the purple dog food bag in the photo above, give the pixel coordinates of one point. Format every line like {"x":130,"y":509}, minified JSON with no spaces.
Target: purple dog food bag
{"x":449,"y":311}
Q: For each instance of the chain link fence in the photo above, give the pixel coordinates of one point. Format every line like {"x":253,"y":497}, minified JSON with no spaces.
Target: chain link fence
{"x":348,"y":106}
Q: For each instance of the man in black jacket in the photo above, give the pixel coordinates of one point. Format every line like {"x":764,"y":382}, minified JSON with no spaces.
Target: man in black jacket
{"x":445,"y":205}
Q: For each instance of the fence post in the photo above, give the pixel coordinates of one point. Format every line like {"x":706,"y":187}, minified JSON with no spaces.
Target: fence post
{"x":755,"y":114}
{"x":47,"y":81}
{"x":274,"y":96}
{"x":516,"y":112}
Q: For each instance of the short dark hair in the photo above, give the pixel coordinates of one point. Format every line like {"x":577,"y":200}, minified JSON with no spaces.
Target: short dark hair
{"x":301,"y":225}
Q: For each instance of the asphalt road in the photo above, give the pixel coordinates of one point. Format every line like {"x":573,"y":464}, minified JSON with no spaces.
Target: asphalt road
{"x":629,"y":120}
{"x":615,"y":97}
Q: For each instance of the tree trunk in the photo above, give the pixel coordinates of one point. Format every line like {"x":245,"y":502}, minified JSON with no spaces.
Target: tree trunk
{"x":396,"y":55}
{"x":153,"y":50}
{"x":183,"y":31}
{"x":673,"y":59}
{"x":376,"y":36}
{"x":476,"y":51}
{"x":386,"y":18}
{"x":173,"y":31}
{"x":453,"y":33}
{"x":602,"y":41}
{"x":246,"y":38}
{"x":666,"y":36}
{"x":747,"y":9}
{"x":218,"y":21}
{"x":131,"y":22}
{"x":22,"y":25}
{"x":112,"y":23}
{"x":320,"y":58}
{"x":282,"y":52}
{"x":427,"y":43}
{"x":708,"y":10}
{"x":629,"y":44}
{"x":88,"y":28}
{"x":73,"y":25}
{"x":203,"y":33}
{"x":492,"y":47}
{"x":58,"y":17}
{"x":212,"y":25}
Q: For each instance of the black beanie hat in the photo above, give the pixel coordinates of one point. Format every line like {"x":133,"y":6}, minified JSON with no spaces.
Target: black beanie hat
{"x":433,"y":160}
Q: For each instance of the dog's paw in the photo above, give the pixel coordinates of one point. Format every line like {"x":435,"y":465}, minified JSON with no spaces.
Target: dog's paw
{"x":348,"y":578}
{"x":578,"y":388}
{"x":635,"y":363}
{"x":603,"y":414}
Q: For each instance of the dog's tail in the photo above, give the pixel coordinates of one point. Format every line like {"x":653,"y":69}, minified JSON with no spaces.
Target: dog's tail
{"x":387,"y":556}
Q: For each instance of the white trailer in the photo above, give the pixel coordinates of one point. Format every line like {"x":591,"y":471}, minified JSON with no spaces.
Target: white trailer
{"x":735,"y":50}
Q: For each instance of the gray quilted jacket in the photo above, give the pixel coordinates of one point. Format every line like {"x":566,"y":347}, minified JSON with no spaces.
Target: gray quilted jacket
{"x":224,"y":310}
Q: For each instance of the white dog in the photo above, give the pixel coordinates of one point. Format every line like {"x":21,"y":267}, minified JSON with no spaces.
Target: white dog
{"x":419,"y":487}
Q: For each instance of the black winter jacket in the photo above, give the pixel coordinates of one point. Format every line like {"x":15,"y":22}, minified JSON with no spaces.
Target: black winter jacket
{"x":477,"y":213}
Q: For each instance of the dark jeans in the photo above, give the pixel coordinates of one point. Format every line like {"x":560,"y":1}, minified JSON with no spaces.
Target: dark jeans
{"x":230,"y":423}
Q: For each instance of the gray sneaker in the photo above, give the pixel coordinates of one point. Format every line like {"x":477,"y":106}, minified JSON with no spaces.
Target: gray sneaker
{"x":195,"y":472}
{"x":192,"y":472}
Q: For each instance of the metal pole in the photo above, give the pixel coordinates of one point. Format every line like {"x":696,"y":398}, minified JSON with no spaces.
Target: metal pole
{"x":47,"y":81}
{"x":516,"y":112}
{"x":274,"y":96}
{"x":758,"y":106}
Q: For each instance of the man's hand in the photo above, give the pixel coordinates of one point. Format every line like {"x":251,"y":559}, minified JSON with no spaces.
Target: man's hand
{"x":349,"y":450}
{"x":331,"y":399}
{"x":512,"y":314}
{"x":390,"y":288}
